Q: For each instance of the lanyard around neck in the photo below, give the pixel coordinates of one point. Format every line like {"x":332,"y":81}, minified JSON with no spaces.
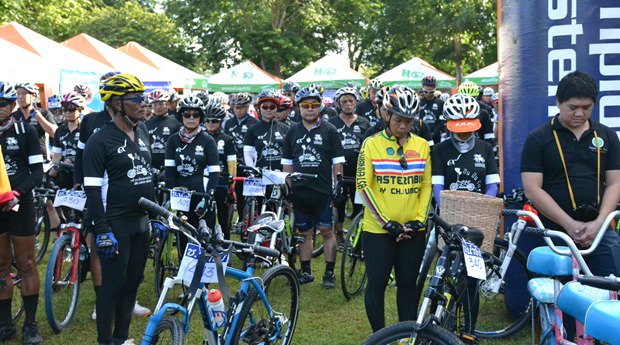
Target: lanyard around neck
{"x":598,"y":167}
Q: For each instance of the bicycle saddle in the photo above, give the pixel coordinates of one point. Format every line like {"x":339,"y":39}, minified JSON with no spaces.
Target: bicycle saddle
{"x":575,"y":298}
{"x":267,"y":221}
{"x":542,"y":260}
{"x":473,"y":235}
{"x":602,"y":321}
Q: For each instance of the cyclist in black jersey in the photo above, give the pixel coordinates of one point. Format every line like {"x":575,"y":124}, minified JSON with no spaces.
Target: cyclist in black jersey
{"x":289,"y":90}
{"x":313,"y":146}
{"x":431,"y":108}
{"x":161,"y":126}
{"x":285,"y":106}
{"x":116,"y":174}
{"x":262,"y":144}
{"x":41,"y":120}
{"x":87,"y":93}
{"x":24,"y":167}
{"x":192,"y":160}
{"x":368,"y":107}
{"x":172,"y":103}
{"x":237,"y":127}
{"x":351,"y":129}
{"x":53,"y":106}
{"x":224,"y":194}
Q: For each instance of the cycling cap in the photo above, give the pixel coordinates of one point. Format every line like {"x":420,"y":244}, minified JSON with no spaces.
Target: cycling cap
{"x":7,"y":91}
{"x":241,"y":99}
{"x":53,"y":102}
{"x":429,"y":80}
{"x":159,"y":95}
{"x":215,"y":110}
{"x":308,"y":92}
{"x":119,"y":85}
{"x":469,"y":88}
{"x":32,"y":88}
{"x":461,"y":112}
{"x":74,"y":98}
{"x":346,"y":91}
{"x":401,"y":100}
{"x":488,"y":91}
{"x":290,"y":86}
{"x":375,"y":84}
{"x":268,"y":95}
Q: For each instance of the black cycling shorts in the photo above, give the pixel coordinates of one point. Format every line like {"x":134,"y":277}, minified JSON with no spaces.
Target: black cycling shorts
{"x":311,"y":208}
{"x":20,"y":223}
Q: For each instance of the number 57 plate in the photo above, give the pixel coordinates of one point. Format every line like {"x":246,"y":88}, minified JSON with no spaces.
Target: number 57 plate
{"x":473,"y":261}
{"x":190,"y":261}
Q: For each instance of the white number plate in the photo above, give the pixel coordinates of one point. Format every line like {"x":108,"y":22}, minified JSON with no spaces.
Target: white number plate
{"x":273,"y":177}
{"x":180,"y":200}
{"x":75,"y":199}
{"x":190,"y":261}
{"x":253,"y":187}
{"x":473,"y":261}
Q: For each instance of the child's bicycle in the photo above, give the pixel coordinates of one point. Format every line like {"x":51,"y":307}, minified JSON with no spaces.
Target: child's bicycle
{"x":553,"y":299}
{"x":67,"y":266}
{"x":263,"y":311}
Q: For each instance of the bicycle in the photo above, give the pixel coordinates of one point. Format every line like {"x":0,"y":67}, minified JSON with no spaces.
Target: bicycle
{"x":243,"y":322}
{"x":446,"y":301}
{"x":552,"y":299}
{"x":168,"y":247}
{"x":67,"y":268}
{"x":352,"y":267}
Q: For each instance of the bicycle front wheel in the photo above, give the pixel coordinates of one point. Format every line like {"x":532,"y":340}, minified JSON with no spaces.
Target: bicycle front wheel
{"x":42,"y":236}
{"x":255,"y":325}
{"x":169,"y":331}
{"x":167,"y":261}
{"x":497,"y":321}
{"x":352,"y":267}
{"x":62,"y":284}
{"x":400,"y":333}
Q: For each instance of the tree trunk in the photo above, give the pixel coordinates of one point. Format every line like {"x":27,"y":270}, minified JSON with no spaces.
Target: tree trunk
{"x":458,"y":59}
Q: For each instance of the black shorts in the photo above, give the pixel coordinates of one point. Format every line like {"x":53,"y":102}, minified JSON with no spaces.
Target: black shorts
{"x":20,"y":223}
{"x":311,"y":208}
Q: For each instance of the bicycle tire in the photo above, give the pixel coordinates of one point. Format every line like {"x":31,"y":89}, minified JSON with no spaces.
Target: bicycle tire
{"x":430,"y":334}
{"x":427,"y":259}
{"x":317,"y":243}
{"x":172,"y":326}
{"x":167,"y":261}
{"x":58,"y":282}
{"x":353,"y":258}
{"x":42,"y":234}
{"x":17,"y":306}
{"x":491,"y":305}
{"x":253,"y":317}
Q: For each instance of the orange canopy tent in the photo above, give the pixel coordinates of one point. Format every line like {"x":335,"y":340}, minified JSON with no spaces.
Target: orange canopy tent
{"x":97,"y":50}
{"x":179,"y":76}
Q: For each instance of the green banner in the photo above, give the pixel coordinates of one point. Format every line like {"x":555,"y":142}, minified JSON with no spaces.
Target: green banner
{"x":196,"y":83}
{"x":241,"y":88}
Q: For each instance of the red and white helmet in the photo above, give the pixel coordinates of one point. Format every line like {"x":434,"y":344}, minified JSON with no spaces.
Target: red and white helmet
{"x":159,"y":95}
{"x":73,"y":98}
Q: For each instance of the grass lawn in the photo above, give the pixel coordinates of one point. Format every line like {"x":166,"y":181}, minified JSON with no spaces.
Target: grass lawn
{"x":325,"y":316}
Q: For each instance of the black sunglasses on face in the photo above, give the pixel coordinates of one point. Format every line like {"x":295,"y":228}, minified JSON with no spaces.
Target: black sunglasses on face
{"x":69,"y":109}
{"x":4,"y":103}
{"x":187,"y":115}
{"x":135,"y":99}
{"x":213,"y":120}
{"x":402,"y":160}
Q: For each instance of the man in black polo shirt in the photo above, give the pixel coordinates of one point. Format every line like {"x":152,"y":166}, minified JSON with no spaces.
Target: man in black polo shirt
{"x":368,"y":107}
{"x":313,"y":146}
{"x":582,"y":141}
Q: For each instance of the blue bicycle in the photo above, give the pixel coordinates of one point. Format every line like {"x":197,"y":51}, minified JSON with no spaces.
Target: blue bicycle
{"x":264,"y":309}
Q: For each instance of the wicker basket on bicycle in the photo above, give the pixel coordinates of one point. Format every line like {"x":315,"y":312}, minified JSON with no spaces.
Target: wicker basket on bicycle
{"x":481,"y":211}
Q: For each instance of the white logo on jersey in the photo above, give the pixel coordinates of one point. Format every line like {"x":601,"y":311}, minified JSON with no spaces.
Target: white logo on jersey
{"x":165,"y":131}
{"x":220,"y":147}
{"x":199,"y":151}
{"x":122,"y":148}
{"x":12,"y":144}
{"x":318,"y":139}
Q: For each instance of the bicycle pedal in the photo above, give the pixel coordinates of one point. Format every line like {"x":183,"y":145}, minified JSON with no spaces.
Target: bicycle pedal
{"x":469,"y":339}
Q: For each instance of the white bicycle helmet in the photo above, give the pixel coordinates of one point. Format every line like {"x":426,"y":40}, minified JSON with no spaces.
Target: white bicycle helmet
{"x":401,"y":100}
{"x":7,"y":91}
{"x":159,"y":95}
{"x":375,"y":84}
{"x":346,"y":91}
{"x":461,"y":112}
{"x":488,"y":91}
{"x":75,"y":99}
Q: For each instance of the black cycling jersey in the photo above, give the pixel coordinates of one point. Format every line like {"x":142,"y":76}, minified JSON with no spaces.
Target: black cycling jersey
{"x":368,"y":111}
{"x":117,"y":173}
{"x":237,"y":129}
{"x":190,"y":165}
{"x":313,"y":152}
{"x":431,"y":113}
{"x":470,"y":171}
{"x":326,"y":113}
{"x":351,"y":138}
{"x":264,"y":141}
{"x":160,"y":129}
{"x":22,"y":158}
{"x":486,"y":131}
{"x":226,"y":152}
{"x":19,"y":116}
{"x":90,"y":124}
{"x":66,"y":144}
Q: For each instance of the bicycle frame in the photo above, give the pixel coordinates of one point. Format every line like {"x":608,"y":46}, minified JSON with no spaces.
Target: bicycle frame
{"x":76,"y":240}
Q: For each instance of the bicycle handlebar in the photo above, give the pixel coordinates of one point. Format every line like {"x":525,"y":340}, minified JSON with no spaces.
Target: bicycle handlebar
{"x":259,"y":172}
{"x":608,"y":283}
{"x":191,"y":191}
{"x":63,"y":166}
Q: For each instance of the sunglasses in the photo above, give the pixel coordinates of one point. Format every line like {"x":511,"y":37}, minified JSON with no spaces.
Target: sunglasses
{"x":194,"y":114}
{"x":69,"y":109}
{"x":136,"y":99}
{"x":402,"y":160}
{"x":4,"y":103}
{"x":213,"y":120}
{"x":268,"y":107}
{"x":314,"y":105}
{"x":427,"y":91}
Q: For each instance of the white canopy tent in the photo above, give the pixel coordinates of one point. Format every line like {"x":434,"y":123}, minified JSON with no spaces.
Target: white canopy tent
{"x":244,"y":77}
{"x":485,"y":76}
{"x":330,"y":71}
{"x":410,"y":73}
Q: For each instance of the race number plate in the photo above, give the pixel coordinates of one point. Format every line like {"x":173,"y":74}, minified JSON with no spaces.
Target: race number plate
{"x":190,"y":261}
{"x":253,"y":187}
{"x":473,"y":261}
{"x":75,"y":199}
{"x":274,"y":177}
{"x":180,"y":200}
